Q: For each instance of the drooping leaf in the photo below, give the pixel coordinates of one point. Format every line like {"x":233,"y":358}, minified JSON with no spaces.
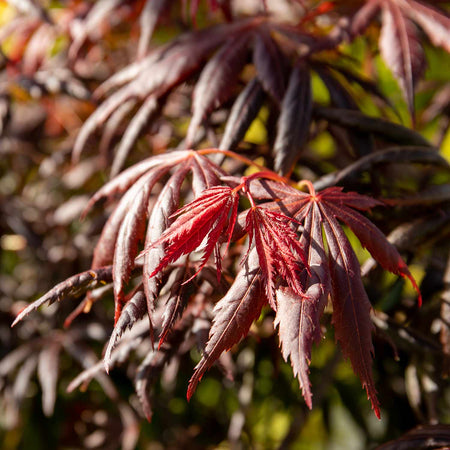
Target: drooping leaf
{"x":368,"y":234}
{"x":244,"y":111}
{"x":340,"y":96}
{"x":123,"y":181}
{"x":383,"y":128}
{"x":154,"y":76}
{"x":160,"y":220}
{"x":351,"y":306}
{"x":351,"y":316}
{"x":145,"y":114}
{"x":364,"y":16}
{"x":115,"y":231}
{"x":435,"y":22}
{"x":401,"y":49}
{"x":112,"y":127}
{"x":135,"y":309}
{"x":146,"y":374}
{"x":233,"y":316}
{"x":176,"y":301}
{"x":72,"y":287}
{"x":131,"y":232}
{"x":23,"y":377}
{"x":367,"y":84}
{"x":270,"y":64}
{"x":48,"y":375}
{"x":217,"y":81}
{"x":294,"y":120}
{"x":205,"y":174}
{"x":147,"y":21}
{"x":298,"y":318}
{"x":406,"y":154}
{"x":126,"y":226}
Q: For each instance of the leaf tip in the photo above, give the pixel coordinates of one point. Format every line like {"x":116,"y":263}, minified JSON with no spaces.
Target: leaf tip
{"x":22,"y":313}
{"x":193,"y":382}
{"x":376,"y":410}
{"x":106,"y":364}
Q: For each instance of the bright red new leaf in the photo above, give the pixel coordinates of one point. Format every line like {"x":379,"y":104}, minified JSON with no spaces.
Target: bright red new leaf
{"x":278,"y":249}
{"x":210,"y":216}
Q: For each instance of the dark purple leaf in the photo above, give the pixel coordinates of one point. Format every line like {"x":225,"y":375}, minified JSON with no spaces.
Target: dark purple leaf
{"x":364,"y":16}
{"x":360,"y":122}
{"x":244,"y":111}
{"x":270,"y":64}
{"x":131,"y":232}
{"x":217,"y":81}
{"x":340,"y":97}
{"x":294,"y":121}
{"x":166,"y":204}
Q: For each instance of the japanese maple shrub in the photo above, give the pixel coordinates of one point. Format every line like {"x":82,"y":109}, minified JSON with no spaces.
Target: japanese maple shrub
{"x":216,"y":226}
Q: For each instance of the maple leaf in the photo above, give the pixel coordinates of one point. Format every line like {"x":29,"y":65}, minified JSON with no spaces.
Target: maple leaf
{"x":401,"y":49}
{"x":295,"y":118}
{"x":137,"y":216}
{"x":74,"y":286}
{"x":351,"y":306}
{"x":278,"y":249}
{"x":233,"y":316}
{"x":298,"y":317}
{"x":212,"y":214}
{"x":399,"y":42}
{"x":242,"y":114}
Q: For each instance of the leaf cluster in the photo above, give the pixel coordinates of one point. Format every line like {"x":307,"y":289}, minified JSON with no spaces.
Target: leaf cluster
{"x":251,"y":159}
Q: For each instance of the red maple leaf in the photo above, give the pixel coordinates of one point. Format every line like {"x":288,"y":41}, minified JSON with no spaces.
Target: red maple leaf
{"x":210,"y":216}
{"x":351,"y":306}
{"x":278,"y":249}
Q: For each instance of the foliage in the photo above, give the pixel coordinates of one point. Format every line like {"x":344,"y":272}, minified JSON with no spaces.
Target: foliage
{"x":253,"y":152}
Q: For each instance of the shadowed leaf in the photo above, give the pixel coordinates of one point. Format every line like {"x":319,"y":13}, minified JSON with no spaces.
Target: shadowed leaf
{"x":217,"y":81}
{"x":383,"y":128}
{"x":245,"y":109}
{"x":270,"y":64}
{"x":294,"y":121}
